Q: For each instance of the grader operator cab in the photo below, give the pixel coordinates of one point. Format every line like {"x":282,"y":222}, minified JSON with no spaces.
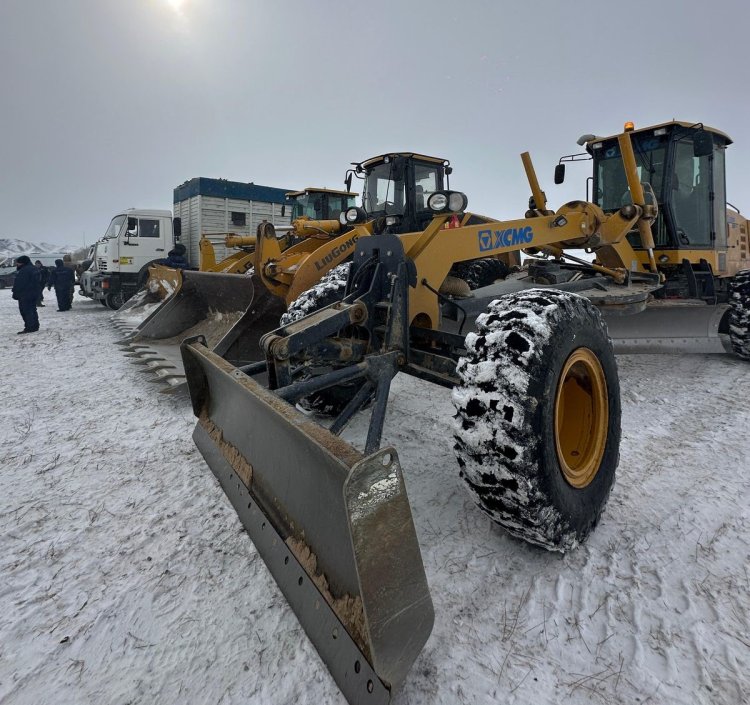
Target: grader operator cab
{"x":700,"y":242}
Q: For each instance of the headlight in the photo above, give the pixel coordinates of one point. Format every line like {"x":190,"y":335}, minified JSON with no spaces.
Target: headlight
{"x":342,"y":218}
{"x":351,"y":215}
{"x":392,"y":220}
{"x":447,"y":202}
{"x":457,"y":202}
{"x":437,"y":202}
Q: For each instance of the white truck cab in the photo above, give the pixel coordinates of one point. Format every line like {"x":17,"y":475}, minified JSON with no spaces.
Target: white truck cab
{"x":134,"y":239}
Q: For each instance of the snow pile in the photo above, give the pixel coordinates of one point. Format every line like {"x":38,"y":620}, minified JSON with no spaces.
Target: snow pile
{"x":127,"y":578}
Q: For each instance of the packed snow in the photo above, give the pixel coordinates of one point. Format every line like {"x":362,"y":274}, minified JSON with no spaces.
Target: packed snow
{"x":127,"y":578}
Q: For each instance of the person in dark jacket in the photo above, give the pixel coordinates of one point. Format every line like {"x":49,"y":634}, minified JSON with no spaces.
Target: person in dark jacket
{"x":176,"y":259}
{"x":26,"y":292}
{"x":63,"y":279}
{"x":43,"y":276}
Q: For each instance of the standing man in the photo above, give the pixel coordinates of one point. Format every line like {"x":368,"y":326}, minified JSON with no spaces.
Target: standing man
{"x":43,"y":276}
{"x":63,"y":279}
{"x":26,"y":292}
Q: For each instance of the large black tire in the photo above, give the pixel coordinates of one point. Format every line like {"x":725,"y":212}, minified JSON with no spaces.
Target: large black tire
{"x":542,"y":474}
{"x":739,"y":314}
{"x":330,"y":289}
{"x":480,"y":272}
{"x":115,"y":300}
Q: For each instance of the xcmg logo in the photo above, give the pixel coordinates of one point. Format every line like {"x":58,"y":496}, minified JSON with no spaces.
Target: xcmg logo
{"x":493,"y":239}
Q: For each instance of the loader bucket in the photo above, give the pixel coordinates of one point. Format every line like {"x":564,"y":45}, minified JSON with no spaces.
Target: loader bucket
{"x":223,"y":308}
{"x":670,"y":326}
{"x":162,"y":283}
{"x":334,"y":527}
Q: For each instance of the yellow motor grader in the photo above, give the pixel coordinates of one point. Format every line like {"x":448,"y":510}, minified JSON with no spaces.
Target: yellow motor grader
{"x":532,"y":367}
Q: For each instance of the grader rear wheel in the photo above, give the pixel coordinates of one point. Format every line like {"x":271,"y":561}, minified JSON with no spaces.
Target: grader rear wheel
{"x":538,"y":423}
{"x":739,"y":314}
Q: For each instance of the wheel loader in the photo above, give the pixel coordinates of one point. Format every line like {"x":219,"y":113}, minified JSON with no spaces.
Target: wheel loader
{"x":311,"y":205}
{"x":224,"y":308}
{"x":234,"y":313}
{"x":534,"y":381}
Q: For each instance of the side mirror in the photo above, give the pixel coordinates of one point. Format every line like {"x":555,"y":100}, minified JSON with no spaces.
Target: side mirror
{"x":559,"y":173}
{"x":132,"y":227}
{"x":348,"y":181}
{"x":176,"y":228}
{"x":283,"y":210}
{"x":703,"y":144}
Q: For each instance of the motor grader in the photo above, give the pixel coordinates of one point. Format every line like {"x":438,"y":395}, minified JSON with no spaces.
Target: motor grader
{"x":535,"y":383}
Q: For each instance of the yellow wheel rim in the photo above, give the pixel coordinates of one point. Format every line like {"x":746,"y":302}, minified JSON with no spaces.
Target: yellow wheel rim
{"x":581,"y":417}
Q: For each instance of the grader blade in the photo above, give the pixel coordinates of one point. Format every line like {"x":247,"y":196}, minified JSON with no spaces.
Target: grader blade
{"x":223,"y":308}
{"x":333,"y":526}
{"x":670,"y":327}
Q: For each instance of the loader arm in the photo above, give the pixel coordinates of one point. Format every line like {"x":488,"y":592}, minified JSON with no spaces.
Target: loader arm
{"x":289,"y":272}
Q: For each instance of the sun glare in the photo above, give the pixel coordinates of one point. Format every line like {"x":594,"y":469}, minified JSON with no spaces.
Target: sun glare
{"x":176,"y":5}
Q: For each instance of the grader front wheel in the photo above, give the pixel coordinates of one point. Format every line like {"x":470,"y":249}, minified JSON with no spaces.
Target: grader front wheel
{"x":538,"y":423}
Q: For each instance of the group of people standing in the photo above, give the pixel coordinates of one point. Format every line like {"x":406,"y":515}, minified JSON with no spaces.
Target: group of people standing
{"x":28,"y":289}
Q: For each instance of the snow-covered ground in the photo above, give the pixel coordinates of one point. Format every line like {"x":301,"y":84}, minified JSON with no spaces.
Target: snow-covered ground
{"x":125,"y":576}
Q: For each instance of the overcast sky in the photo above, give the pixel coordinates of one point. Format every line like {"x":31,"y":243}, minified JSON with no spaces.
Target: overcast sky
{"x":109,"y":104}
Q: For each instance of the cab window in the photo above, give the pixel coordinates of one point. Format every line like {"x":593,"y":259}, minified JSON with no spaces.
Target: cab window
{"x":148,"y":227}
{"x":426,"y":182}
{"x":691,"y":205}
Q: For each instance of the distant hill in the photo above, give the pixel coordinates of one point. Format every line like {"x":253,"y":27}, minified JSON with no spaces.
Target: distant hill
{"x":13,"y":247}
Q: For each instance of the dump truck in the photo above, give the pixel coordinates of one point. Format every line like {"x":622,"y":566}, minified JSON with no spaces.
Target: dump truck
{"x":537,"y":429}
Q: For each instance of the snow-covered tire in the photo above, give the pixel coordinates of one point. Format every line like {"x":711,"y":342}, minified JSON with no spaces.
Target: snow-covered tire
{"x":537,"y":433}
{"x":739,"y":314}
{"x":327,"y":291}
{"x":330,"y":289}
{"x":480,"y":272}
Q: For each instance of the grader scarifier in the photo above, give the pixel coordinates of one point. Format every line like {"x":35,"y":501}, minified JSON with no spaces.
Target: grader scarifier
{"x":535,"y":386}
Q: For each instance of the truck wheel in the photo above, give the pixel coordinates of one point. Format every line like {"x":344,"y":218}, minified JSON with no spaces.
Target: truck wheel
{"x":331,"y":288}
{"x":538,"y":424}
{"x":480,"y":272}
{"x":739,"y":314}
{"x":115,"y":300}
